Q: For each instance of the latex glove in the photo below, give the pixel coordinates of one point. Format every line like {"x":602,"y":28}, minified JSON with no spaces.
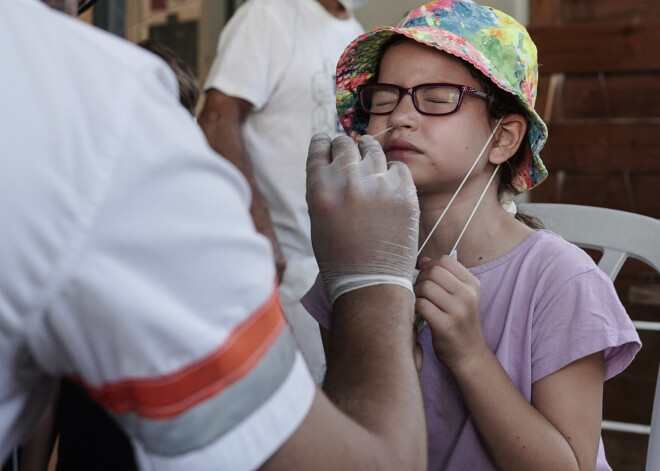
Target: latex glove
{"x":364,"y":214}
{"x":448,"y":298}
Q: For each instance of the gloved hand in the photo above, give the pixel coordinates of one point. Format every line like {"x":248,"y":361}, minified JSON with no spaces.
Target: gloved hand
{"x":364,"y":215}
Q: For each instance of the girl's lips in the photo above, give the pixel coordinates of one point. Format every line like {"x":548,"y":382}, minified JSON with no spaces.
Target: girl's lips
{"x":399,"y":148}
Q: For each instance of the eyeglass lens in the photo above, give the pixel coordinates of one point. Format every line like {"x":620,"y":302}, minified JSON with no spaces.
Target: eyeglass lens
{"x":431,"y":99}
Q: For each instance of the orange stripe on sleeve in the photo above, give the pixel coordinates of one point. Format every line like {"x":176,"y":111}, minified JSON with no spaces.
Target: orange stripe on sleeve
{"x":170,"y":395}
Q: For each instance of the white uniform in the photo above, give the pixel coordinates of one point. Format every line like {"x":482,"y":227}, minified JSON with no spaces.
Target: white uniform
{"x":281,"y":56}
{"x":129,"y":261}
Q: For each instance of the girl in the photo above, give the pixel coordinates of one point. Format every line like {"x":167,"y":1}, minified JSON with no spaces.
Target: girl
{"x":522,"y":328}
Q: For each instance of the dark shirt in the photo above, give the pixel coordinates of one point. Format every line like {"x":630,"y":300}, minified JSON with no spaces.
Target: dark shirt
{"x":89,"y":439}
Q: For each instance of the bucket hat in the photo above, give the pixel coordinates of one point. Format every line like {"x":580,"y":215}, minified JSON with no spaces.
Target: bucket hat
{"x":490,"y":40}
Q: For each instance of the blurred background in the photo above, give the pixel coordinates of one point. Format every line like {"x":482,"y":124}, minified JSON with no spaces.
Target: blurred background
{"x":191,"y":27}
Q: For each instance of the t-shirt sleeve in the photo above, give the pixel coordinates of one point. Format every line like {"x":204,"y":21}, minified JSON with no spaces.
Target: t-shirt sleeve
{"x":317,"y":303}
{"x":254,"y":51}
{"x":165,"y":308}
{"x":580,"y":317}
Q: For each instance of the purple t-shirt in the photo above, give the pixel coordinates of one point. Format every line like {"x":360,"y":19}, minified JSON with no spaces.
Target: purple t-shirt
{"x":544,"y":305}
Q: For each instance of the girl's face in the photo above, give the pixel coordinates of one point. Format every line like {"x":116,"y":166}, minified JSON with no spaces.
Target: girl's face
{"x":439,"y":150}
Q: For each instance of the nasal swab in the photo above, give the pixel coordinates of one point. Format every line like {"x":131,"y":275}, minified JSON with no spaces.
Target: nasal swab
{"x":382,"y":132}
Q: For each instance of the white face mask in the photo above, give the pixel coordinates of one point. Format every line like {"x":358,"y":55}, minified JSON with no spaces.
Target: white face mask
{"x":352,"y":5}
{"x":453,"y":253}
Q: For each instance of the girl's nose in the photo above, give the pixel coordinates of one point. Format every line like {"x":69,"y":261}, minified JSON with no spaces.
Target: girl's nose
{"x":405,"y":114}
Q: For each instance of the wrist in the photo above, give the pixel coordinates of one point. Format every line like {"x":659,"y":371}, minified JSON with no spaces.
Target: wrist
{"x":472,"y":361}
{"x":348,"y":283}
{"x":382,"y":304}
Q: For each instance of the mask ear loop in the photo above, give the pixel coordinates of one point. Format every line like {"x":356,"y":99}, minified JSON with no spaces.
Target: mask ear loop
{"x":437,"y":223}
{"x":453,"y":253}
{"x":419,"y":323}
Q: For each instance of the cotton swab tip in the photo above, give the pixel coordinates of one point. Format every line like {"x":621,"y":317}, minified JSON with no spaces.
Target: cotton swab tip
{"x":382,"y":132}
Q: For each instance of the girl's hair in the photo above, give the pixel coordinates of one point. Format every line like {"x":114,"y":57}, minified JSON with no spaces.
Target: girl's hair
{"x":499,"y":104}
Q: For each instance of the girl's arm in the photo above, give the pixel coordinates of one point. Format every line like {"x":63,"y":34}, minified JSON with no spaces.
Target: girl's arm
{"x":560,"y":430}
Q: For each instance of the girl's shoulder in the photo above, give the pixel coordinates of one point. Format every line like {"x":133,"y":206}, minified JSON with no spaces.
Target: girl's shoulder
{"x":546,"y":242}
{"x":542,"y":252}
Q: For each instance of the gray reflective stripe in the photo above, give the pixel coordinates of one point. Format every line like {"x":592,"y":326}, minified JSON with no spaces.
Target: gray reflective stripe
{"x":206,"y":422}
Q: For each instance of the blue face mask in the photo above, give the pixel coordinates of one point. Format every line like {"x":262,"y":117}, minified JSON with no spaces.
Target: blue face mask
{"x":352,"y":5}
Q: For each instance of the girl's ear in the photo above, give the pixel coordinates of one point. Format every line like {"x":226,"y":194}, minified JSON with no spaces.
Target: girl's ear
{"x":509,"y":137}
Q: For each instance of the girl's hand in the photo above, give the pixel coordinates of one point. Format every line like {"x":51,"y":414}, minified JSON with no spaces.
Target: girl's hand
{"x":448,"y":298}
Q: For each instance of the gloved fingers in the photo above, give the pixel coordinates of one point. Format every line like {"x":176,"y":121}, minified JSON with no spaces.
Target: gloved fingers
{"x":400,"y":182}
{"x":318,"y":156}
{"x":325,"y":181}
{"x":378,"y":179}
{"x":364,"y":215}
{"x":345,"y":153}
{"x":372,"y":153}
{"x":347,"y":167}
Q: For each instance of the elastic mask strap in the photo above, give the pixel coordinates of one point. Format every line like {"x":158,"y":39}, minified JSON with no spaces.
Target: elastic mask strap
{"x":453,"y":253}
{"x":437,"y":223}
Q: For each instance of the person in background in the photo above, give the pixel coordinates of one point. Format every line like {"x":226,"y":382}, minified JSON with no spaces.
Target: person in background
{"x":133,"y":268}
{"x":270,"y":88}
{"x":185,"y":75}
{"x":519,"y":328}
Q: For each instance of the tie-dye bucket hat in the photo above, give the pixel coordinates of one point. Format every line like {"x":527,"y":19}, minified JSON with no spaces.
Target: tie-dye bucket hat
{"x":492,"y":41}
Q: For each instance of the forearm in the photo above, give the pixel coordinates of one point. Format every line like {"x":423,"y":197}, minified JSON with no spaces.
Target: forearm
{"x":371,"y":372}
{"x":222,"y":128}
{"x":221,"y":121}
{"x":516,"y":434}
{"x":230,"y":145}
{"x":372,"y":377}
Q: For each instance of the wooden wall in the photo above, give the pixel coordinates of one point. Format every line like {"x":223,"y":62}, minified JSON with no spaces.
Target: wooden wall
{"x":599,"y":93}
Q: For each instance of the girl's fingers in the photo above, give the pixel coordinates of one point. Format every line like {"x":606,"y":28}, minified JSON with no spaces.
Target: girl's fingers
{"x":445,"y":293}
{"x":423,"y":261}
{"x":447,"y":272}
{"x":457,"y":269}
{"x":437,"y":275}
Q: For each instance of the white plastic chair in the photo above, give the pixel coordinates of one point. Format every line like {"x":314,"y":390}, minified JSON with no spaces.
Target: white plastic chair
{"x":619,"y":235}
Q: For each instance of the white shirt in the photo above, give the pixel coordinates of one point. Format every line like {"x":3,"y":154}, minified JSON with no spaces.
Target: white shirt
{"x":281,"y":56}
{"x":129,"y":260}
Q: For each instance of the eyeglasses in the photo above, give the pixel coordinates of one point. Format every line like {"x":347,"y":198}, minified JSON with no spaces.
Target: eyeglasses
{"x":435,"y":99}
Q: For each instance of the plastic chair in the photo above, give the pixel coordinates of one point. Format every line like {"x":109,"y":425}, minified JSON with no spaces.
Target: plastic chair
{"x":619,"y":235}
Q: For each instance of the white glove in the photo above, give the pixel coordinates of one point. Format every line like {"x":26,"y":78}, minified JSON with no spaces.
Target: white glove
{"x":364,"y":215}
